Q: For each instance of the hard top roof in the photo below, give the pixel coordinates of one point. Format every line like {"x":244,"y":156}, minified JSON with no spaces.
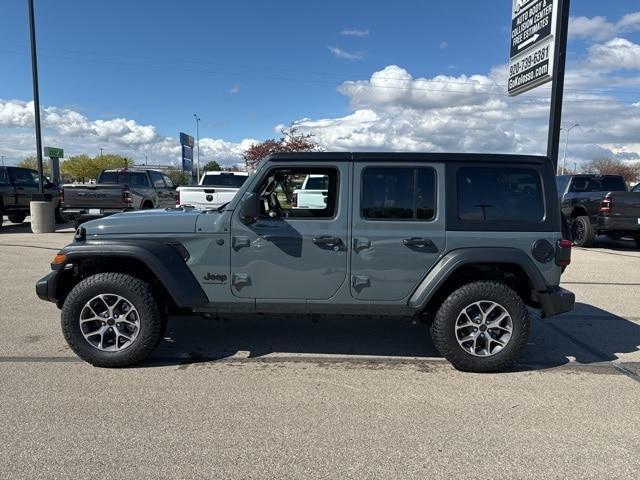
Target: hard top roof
{"x":406,"y":157}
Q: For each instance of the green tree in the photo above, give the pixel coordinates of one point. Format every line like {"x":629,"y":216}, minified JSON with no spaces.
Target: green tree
{"x":178,"y":176}
{"x":211,"y":166}
{"x":32,"y":162}
{"x":78,"y":167}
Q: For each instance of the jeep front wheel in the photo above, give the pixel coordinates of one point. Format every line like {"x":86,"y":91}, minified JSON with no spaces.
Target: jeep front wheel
{"x":481,"y":327}
{"x":112,"y":320}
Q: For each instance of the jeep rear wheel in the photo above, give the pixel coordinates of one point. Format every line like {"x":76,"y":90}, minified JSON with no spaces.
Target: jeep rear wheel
{"x":112,"y":320}
{"x":481,"y":327}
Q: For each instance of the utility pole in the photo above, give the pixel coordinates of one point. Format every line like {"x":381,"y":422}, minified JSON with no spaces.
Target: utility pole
{"x":566,"y":144}
{"x":2,"y":156}
{"x":197,"y":145}
{"x":557,"y":89}
{"x":101,"y":153}
{"x":36,"y":97}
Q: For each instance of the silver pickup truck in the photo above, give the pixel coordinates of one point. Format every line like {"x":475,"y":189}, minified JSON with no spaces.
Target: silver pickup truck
{"x":118,"y":191}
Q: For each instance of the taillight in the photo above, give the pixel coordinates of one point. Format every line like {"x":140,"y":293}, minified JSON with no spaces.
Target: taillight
{"x":563,"y":252}
{"x":606,"y":205}
{"x":61,"y":196}
{"x":126,"y":197}
{"x":177,"y":198}
{"x":294,"y":200}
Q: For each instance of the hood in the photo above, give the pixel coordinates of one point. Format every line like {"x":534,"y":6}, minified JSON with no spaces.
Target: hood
{"x":145,"y":221}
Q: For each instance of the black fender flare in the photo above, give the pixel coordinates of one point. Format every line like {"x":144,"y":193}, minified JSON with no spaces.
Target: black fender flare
{"x":162,"y":259}
{"x":455,"y":259}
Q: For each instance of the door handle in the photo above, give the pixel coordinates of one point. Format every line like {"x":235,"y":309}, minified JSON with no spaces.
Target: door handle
{"x":239,"y":242}
{"x":240,"y":280}
{"x":358,"y":282}
{"x":361,"y":244}
{"x":419,"y":242}
{"x":327,"y":241}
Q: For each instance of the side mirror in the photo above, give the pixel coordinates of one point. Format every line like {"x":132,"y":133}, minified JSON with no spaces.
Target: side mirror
{"x":250,"y":207}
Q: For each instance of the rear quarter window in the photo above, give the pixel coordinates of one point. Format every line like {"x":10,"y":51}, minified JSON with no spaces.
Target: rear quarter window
{"x":499,"y":194}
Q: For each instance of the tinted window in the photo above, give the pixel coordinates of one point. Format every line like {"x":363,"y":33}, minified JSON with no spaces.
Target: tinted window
{"x":598,"y":184}
{"x":281,"y":194}
{"x":168,"y":181}
{"x":138,"y":179}
{"x":506,"y":194}
{"x":561,"y":183}
{"x":157,"y":180}
{"x":612,"y":184}
{"x":23,"y":177}
{"x":636,"y":188}
{"x":398,"y":193}
{"x":224,"y":180}
{"x":4,"y":177}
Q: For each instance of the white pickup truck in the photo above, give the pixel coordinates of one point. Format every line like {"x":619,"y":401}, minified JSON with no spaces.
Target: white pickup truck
{"x":313,"y":192}
{"x":214,"y":189}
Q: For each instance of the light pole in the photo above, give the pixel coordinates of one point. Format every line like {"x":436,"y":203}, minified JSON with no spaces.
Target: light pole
{"x":197,"y":145}
{"x":566,"y":144}
{"x":36,"y":97}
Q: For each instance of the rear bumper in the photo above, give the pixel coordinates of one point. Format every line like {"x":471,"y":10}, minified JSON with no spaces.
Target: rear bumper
{"x":85,"y":214}
{"x":556,"y":301}
{"x":622,"y":225}
{"x":47,"y":287}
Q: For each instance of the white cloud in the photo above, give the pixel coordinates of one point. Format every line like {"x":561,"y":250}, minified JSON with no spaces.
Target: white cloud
{"x":616,"y":54}
{"x":340,"y":53}
{"x":78,"y":134}
{"x":355,"y":32}
{"x":599,"y":28}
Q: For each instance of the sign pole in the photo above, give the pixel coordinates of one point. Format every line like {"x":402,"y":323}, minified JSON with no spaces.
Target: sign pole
{"x":557,"y":88}
{"x":36,"y":97}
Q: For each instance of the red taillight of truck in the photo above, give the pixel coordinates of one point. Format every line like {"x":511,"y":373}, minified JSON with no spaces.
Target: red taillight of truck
{"x":606,"y":205}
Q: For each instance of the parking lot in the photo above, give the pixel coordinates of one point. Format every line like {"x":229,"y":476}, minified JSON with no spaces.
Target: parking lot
{"x":292,"y":398}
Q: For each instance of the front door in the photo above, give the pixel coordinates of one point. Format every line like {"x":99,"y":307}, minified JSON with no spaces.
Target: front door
{"x":26,"y":185}
{"x":398,"y":228}
{"x":290,"y":252}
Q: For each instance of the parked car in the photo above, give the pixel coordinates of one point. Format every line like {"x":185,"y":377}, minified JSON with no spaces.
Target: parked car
{"x":17,"y":186}
{"x":467,"y":242}
{"x":118,"y":191}
{"x":213,"y":190}
{"x":599,"y":205}
{"x":312,"y":193}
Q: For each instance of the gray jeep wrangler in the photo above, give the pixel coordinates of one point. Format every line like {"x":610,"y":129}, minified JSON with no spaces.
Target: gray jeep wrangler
{"x":468,"y":242}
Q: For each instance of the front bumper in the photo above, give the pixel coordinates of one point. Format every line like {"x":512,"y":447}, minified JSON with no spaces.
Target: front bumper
{"x":556,"y":301}
{"x":47,"y":287}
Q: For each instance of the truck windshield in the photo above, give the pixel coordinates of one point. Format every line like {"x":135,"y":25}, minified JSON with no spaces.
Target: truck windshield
{"x":138,"y":179}
{"x":224,"y":180}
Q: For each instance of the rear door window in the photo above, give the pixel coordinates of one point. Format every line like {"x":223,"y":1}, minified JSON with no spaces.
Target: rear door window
{"x":390,"y":193}
{"x":499,"y":194}
{"x":23,"y":177}
{"x":156,"y":178}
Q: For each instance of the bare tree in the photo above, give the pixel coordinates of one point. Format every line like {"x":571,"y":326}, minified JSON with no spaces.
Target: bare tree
{"x":290,"y":141}
{"x":613,"y":166}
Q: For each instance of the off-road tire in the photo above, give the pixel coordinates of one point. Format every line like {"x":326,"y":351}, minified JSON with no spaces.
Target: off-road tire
{"x":444,"y":335}
{"x":19,"y":218}
{"x":139,"y":293}
{"x":583,"y":233}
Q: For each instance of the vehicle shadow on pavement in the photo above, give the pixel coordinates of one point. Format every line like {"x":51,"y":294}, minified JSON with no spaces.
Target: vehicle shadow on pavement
{"x":25,"y":227}
{"x":587,"y":335}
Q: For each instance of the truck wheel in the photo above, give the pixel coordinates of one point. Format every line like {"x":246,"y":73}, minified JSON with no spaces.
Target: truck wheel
{"x":60,"y":218}
{"x":19,"y":218}
{"x":583,"y":233}
{"x":112,"y":320}
{"x":481,"y":327}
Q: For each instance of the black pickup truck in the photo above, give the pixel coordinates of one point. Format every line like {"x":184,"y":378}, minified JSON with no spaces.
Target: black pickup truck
{"x":17,"y":186}
{"x":599,"y":205}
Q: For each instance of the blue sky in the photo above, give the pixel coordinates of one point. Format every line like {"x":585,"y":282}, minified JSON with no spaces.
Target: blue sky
{"x":247,"y":66}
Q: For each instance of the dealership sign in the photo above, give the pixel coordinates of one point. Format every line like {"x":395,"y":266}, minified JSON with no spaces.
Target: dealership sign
{"x":533,"y":24}
{"x":186,"y":141}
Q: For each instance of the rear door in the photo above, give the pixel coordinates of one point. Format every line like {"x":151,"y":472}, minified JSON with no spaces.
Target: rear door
{"x":164,"y":194}
{"x":25,"y":185}
{"x":398,"y":227}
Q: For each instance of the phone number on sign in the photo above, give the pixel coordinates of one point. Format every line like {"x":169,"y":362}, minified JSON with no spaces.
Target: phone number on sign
{"x":530,"y":60}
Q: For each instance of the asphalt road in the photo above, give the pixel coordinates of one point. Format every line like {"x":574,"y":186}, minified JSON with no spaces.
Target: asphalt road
{"x":289,"y":398}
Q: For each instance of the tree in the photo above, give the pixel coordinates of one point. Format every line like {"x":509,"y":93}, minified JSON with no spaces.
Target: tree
{"x":32,"y":162}
{"x":613,"y":166}
{"x":84,"y":167}
{"x":290,"y":141}
{"x":212,"y":166}
{"x":178,"y":176}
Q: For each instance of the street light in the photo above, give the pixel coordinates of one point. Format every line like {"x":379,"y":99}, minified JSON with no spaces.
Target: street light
{"x":197,"y":145}
{"x":566,"y":144}
{"x":36,"y":97}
